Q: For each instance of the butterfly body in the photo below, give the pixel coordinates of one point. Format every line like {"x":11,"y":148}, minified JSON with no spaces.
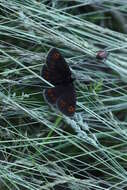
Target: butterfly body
{"x":57,"y":72}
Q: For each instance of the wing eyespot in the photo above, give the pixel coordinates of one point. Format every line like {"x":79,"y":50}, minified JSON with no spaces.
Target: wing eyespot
{"x":62,"y":103}
{"x":55,"y":56}
{"x":71,"y":109}
{"x":51,"y":95}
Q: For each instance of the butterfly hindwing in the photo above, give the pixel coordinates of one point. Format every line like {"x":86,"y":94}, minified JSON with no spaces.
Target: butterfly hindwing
{"x":52,"y":94}
{"x":66,"y":103}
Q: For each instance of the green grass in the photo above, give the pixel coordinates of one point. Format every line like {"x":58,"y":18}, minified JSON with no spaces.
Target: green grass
{"x":43,"y":149}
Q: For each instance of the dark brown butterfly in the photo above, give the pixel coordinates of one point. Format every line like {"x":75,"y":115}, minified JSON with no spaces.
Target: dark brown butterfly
{"x":57,"y":72}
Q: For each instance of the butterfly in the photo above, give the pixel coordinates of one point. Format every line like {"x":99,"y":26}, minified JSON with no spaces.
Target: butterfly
{"x":57,"y":72}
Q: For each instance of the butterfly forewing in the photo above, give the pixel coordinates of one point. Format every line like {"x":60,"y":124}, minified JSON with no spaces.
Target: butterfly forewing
{"x":58,"y":67}
{"x":50,"y":75}
{"x":45,"y":73}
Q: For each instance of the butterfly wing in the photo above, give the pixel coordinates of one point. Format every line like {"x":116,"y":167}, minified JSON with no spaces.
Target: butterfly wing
{"x":56,"y":69}
{"x":56,"y":60}
{"x":51,"y":95}
{"x":50,"y":75}
{"x":66,"y":103}
{"x":64,"y":97}
{"x":45,"y":73}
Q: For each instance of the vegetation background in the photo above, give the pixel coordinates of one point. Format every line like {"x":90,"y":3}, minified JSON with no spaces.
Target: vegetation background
{"x":40,"y":148}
